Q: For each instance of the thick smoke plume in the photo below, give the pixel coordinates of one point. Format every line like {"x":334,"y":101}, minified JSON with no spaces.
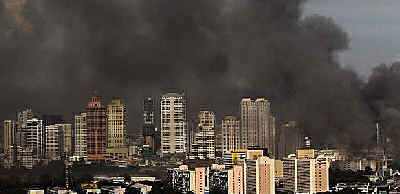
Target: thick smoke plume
{"x":55,"y":53}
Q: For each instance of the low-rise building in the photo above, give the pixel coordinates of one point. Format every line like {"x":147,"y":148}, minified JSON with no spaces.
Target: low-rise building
{"x":120,"y":153}
{"x":184,"y":180}
{"x":112,"y":190}
{"x":143,"y":178}
{"x":236,"y":157}
{"x":141,"y":188}
{"x":35,"y":191}
{"x":59,"y":190}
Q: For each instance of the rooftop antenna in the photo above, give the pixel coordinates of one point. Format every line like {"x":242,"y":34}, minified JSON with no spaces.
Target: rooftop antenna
{"x":378,"y":132}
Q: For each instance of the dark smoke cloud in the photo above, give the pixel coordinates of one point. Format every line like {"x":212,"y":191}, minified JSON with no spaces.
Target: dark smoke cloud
{"x":382,"y":94}
{"x":217,"y":51}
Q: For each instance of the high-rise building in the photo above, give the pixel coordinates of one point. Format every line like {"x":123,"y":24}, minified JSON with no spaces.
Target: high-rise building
{"x":299,"y":175}
{"x":22,"y":118}
{"x":21,"y":157}
{"x":264,"y":132}
{"x":204,"y":139}
{"x":290,"y":138}
{"x":260,"y":175}
{"x":149,"y":128}
{"x":322,"y":175}
{"x":9,"y":135}
{"x":278,"y":169}
{"x":53,"y":138}
{"x":66,"y":146}
{"x":219,"y":141}
{"x":96,"y":122}
{"x":236,"y":180}
{"x":116,"y":124}
{"x":50,"y":119}
{"x":33,"y":134}
{"x":80,"y":132}
{"x":272,"y":137}
{"x":117,"y":136}
{"x":173,"y":124}
{"x":248,"y":115}
{"x":230,"y":134}
{"x":202,"y":180}
{"x":257,"y":124}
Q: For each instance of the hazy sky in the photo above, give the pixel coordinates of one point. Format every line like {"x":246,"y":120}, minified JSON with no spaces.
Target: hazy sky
{"x":373,"y":26}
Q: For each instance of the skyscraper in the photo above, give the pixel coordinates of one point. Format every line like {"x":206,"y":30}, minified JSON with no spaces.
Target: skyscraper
{"x":8,"y":136}
{"x":230,"y":134}
{"x":22,"y":118}
{"x":33,"y":134}
{"x":96,"y":122}
{"x":257,"y":124}
{"x":248,"y":127}
{"x":219,"y":141}
{"x":149,"y":133}
{"x":53,"y":137}
{"x":204,"y":139}
{"x":66,"y":146}
{"x":290,"y":138}
{"x":80,"y":135}
{"x":116,"y":124}
{"x":173,"y":124}
{"x":50,"y":119}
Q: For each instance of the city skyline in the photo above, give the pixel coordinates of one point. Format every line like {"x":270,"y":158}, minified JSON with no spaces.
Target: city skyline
{"x":150,"y":52}
{"x":199,"y":96}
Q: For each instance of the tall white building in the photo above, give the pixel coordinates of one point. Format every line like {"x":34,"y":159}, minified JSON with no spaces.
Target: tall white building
{"x":173,"y":124}
{"x":80,"y":135}
{"x":257,"y":124}
{"x":203,"y":146}
{"x":230,"y":134}
{"x":116,"y":124}
{"x":33,"y":134}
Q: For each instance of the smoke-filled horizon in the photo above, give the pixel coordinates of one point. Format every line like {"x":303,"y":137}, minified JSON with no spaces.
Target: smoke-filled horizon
{"x":55,"y":54}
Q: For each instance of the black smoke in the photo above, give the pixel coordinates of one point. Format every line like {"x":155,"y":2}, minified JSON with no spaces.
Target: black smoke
{"x":382,"y":94}
{"x":217,"y":51}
